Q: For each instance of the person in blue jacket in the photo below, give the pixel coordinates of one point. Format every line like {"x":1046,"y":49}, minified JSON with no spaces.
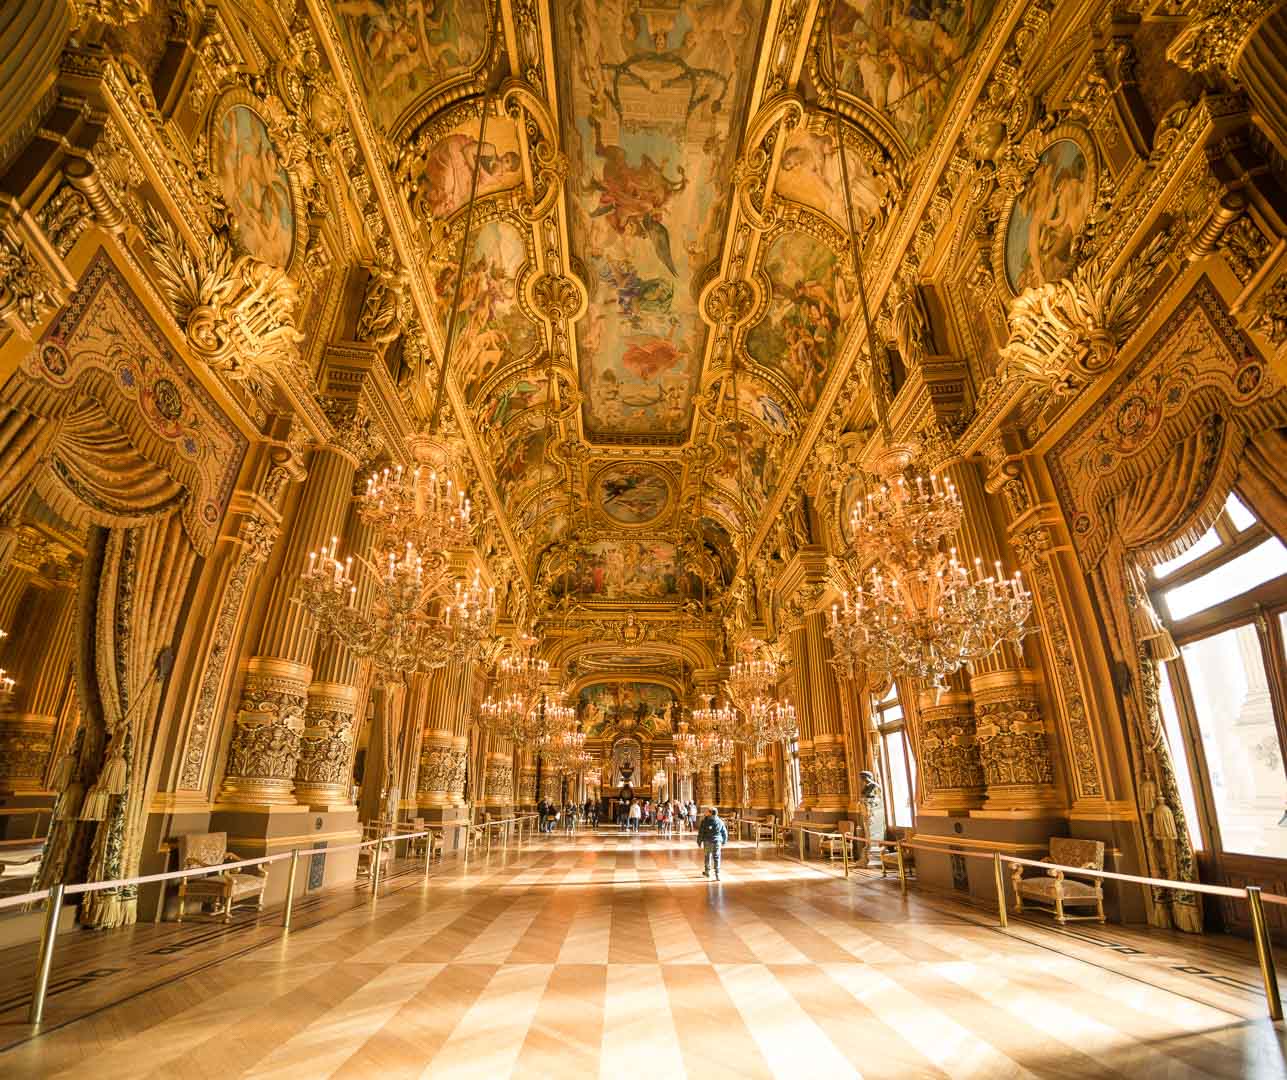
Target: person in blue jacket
{"x":712,"y":836}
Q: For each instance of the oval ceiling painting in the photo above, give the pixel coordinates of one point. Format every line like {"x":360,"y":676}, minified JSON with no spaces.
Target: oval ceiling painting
{"x":1048,"y":217}
{"x":632,"y":493}
{"x":255,"y":187}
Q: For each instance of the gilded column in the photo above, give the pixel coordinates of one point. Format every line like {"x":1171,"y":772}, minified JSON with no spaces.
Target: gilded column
{"x":826,"y":721}
{"x":265,"y":748}
{"x":441,"y":775}
{"x":40,"y":661}
{"x":951,"y":771}
{"x":525,"y":797}
{"x":500,"y":778}
{"x":759,"y":773}
{"x":1013,"y":746}
{"x":804,"y":713}
{"x":324,"y":769}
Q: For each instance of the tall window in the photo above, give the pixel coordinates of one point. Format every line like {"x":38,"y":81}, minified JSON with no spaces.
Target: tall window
{"x":897,"y":766}
{"x":1225,"y":601}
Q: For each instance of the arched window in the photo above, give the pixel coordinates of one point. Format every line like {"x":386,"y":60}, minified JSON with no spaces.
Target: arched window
{"x":1225,"y":603}
{"x":897,"y":766}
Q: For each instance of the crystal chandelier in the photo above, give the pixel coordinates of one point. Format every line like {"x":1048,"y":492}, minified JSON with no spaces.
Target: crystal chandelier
{"x":759,"y":718}
{"x":709,"y":743}
{"x":421,"y":505}
{"x":917,"y":611}
{"x":409,"y":627}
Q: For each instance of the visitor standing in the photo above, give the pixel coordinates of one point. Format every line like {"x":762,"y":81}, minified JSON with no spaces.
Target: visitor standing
{"x":636,"y":814}
{"x":712,"y":837}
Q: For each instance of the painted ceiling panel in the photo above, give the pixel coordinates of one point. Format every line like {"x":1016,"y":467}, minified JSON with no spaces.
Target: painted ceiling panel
{"x":653,"y":98}
{"x":404,"y":50}
{"x":902,"y":59}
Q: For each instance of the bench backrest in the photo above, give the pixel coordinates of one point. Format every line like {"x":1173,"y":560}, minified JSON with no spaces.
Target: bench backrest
{"x":202,"y":849}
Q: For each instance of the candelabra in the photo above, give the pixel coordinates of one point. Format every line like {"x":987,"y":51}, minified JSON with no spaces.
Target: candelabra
{"x":917,"y":611}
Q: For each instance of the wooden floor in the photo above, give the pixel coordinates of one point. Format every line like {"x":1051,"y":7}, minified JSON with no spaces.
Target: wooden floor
{"x":611,"y":956}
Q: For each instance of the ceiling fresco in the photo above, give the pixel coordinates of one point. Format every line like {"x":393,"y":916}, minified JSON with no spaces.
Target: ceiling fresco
{"x":660,"y":197}
{"x":494,"y":331}
{"x":632,"y":493}
{"x":901,"y":59}
{"x":403,"y":49}
{"x":653,"y":96}
{"x":799,"y":333}
{"x":639,"y":707}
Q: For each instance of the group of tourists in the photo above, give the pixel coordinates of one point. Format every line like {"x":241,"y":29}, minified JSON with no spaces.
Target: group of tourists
{"x":570,"y":815}
{"x":668,"y":817}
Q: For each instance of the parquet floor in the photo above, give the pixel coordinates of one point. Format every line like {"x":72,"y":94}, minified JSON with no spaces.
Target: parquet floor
{"x":611,"y":956}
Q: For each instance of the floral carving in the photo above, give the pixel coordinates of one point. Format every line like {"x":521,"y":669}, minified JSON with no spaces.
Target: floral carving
{"x":1012,"y":742}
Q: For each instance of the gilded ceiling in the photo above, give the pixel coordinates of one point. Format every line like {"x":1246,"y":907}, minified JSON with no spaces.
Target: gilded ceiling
{"x":660,"y":228}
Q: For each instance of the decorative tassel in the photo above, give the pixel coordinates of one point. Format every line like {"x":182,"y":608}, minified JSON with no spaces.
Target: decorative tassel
{"x":95,"y":805}
{"x":64,"y":770}
{"x":112,"y":778}
{"x":69,"y":801}
{"x":1164,"y":822}
{"x":1148,"y":795}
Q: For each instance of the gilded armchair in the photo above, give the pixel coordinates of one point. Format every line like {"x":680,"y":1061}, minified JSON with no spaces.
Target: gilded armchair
{"x":1053,"y":891}
{"x":226,"y":888}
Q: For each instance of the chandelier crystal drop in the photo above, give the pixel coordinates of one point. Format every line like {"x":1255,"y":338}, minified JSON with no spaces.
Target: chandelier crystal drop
{"x":917,"y":611}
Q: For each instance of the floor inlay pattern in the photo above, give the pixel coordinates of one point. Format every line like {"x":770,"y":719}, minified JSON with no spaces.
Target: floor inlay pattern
{"x":611,"y":956}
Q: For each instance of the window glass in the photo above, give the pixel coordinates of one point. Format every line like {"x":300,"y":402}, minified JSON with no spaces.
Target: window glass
{"x":1262,"y":563}
{"x":1226,"y":674}
{"x":1208,"y":541}
{"x":1241,"y":517}
{"x":1179,"y":756}
{"x":898,"y":798}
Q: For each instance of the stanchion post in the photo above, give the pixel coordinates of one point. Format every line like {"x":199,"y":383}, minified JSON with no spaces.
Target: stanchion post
{"x":377,"y":857}
{"x":1000,"y":879}
{"x":800,"y":833}
{"x":902,"y":867}
{"x":45,"y":962}
{"x":1264,"y":953}
{"x":844,"y":852}
{"x":290,"y":889}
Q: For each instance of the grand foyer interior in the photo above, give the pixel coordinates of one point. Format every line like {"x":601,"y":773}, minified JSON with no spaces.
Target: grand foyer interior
{"x":629,"y":317}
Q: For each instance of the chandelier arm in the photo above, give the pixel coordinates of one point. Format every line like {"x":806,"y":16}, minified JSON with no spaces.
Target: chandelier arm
{"x":878,"y":377}
{"x":454,"y":314}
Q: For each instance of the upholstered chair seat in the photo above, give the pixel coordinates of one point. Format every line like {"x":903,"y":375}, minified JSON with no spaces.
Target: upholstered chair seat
{"x":1056,"y":892}
{"x":224,"y":889}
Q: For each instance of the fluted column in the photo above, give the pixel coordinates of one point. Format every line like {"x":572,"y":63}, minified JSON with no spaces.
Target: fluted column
{"x":441,"y":778}
{"x":40,"y":661}
{"x":324,"y":769}
{"x":1010,"y":730}
{"x":265,"y":749}
{"x":704,"y":787}
{"x":830,"y":770}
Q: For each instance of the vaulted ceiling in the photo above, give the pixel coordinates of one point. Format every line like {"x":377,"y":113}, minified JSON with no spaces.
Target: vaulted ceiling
{"x":659,"y":217}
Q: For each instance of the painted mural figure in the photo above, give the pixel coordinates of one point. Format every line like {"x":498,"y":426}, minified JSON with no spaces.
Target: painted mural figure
{"x":1048,"y":217}
{"x":634,"y":196}
{"x":255,"y":187}
{"x":449,"y":171}
{"x":404,"y":46}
